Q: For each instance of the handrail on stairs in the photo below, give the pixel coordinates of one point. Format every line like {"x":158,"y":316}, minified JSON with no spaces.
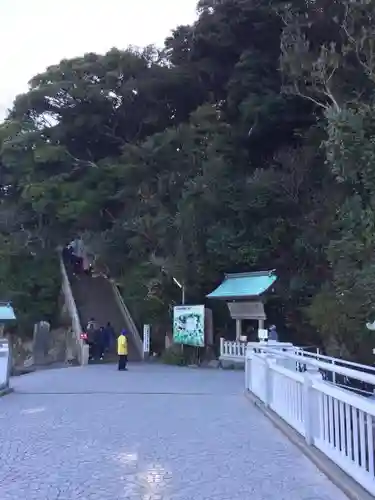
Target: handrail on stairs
{"x":129,"y":320}
{"x":73,"y":313}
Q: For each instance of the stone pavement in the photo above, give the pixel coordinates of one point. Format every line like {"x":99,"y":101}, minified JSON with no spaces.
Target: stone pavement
{"x":153,"y":433}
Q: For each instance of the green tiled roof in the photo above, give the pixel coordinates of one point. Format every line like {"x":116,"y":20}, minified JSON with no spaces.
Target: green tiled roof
{"x":244,"y":285}
{"x":6,"y":312}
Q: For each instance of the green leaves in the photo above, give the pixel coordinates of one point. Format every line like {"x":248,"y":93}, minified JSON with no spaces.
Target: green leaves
{"x":205,"y":158}
{"x":334,"y":68}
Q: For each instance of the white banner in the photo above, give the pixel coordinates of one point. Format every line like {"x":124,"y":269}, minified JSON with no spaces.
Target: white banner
{"x":262,"y":334}
{"x":146,"y":338}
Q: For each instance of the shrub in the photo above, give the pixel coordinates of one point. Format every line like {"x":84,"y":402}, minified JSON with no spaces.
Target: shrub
{"x":173,"y":356}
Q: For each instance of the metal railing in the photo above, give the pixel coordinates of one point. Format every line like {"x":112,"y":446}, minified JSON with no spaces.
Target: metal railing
{"x":128,"y":319}
{"x":334,"y":420}
{"x":234,"y":350}
{"x":338,"y":362}
{"x":79,"y":346}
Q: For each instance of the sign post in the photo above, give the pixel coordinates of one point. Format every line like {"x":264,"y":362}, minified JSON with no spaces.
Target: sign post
{"x":146,"y":339}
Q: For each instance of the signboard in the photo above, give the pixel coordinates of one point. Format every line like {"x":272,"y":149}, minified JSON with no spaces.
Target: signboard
{"x":247,"y":310}
{"x":188,"y":325}
{"x":262,"y":334}
{"x":146,"y":338}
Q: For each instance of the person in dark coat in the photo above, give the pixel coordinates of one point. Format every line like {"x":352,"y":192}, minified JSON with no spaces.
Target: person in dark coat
{"x":100,"y":342}
{"x":67,"y":254}
{"x":110,"y":336}
{"x":91,"y":329}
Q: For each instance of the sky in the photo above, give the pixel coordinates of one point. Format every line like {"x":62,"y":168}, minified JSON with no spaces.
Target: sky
{"x":35,"y":34}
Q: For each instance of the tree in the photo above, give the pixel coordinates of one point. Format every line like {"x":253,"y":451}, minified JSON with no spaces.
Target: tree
{"x":338,"y":72}
{"x":205,"y":158}
{"x":29,"y":271}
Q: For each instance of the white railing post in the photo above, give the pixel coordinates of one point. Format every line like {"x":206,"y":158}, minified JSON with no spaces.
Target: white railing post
{"x":268,"y":380}
{"x":246,"y":374}
{"x":308,"y":408}
{"x":333,"y":373}
{"x":221,"y":346}
{"x":247,"y":371}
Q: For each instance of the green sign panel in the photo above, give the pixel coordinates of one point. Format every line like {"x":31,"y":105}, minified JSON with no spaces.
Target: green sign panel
{"x":188,"y":325}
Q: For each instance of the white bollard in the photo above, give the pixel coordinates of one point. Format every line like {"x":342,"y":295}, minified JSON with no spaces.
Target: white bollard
{"x":5,"y":364}
{"x":85,"y":355}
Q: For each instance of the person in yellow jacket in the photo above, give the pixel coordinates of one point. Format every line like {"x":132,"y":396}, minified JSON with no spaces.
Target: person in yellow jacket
{"x":122,"y":350}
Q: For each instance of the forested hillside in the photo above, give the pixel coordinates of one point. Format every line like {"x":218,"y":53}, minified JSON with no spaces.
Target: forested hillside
{"x":247,"y":143}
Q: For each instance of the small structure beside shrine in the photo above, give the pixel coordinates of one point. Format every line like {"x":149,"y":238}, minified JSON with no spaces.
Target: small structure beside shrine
{"x":245,"y":296}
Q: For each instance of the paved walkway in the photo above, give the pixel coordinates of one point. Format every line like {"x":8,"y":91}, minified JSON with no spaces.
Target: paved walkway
{"x":153,"y":433}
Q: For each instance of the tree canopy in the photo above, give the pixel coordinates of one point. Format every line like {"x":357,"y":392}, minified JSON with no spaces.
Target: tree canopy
{"x":246,"y":143}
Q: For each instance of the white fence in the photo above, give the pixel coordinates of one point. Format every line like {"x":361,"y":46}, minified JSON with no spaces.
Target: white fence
{"x":334,"y":420}
{"x":335,"y":362}
{"x":233,"y":350}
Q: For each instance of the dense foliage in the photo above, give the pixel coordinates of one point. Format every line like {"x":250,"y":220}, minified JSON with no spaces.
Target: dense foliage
{"x":245,"y":144}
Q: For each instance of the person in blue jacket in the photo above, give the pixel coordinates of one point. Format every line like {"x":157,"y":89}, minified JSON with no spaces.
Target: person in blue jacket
{"x":272,"y":333}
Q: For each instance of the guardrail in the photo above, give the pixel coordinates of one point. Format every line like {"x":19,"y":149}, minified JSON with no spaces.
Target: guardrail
{"x":336,"y":361}
{"x":5,"y":363}
{"x":128,"y":319}
{"x":81,"y":350}
{"x":336,"y":421}
{"x":234,"y":350}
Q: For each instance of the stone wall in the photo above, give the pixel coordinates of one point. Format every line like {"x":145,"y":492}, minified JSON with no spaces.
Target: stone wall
{"x":58,"y":350}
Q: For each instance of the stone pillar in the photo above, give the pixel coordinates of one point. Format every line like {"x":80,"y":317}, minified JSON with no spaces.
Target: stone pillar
{"x":238,"y":329}
{"x":41,"y":342}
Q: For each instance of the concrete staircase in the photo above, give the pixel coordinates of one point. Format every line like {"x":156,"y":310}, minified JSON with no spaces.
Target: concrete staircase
{"x":98,"y":297}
